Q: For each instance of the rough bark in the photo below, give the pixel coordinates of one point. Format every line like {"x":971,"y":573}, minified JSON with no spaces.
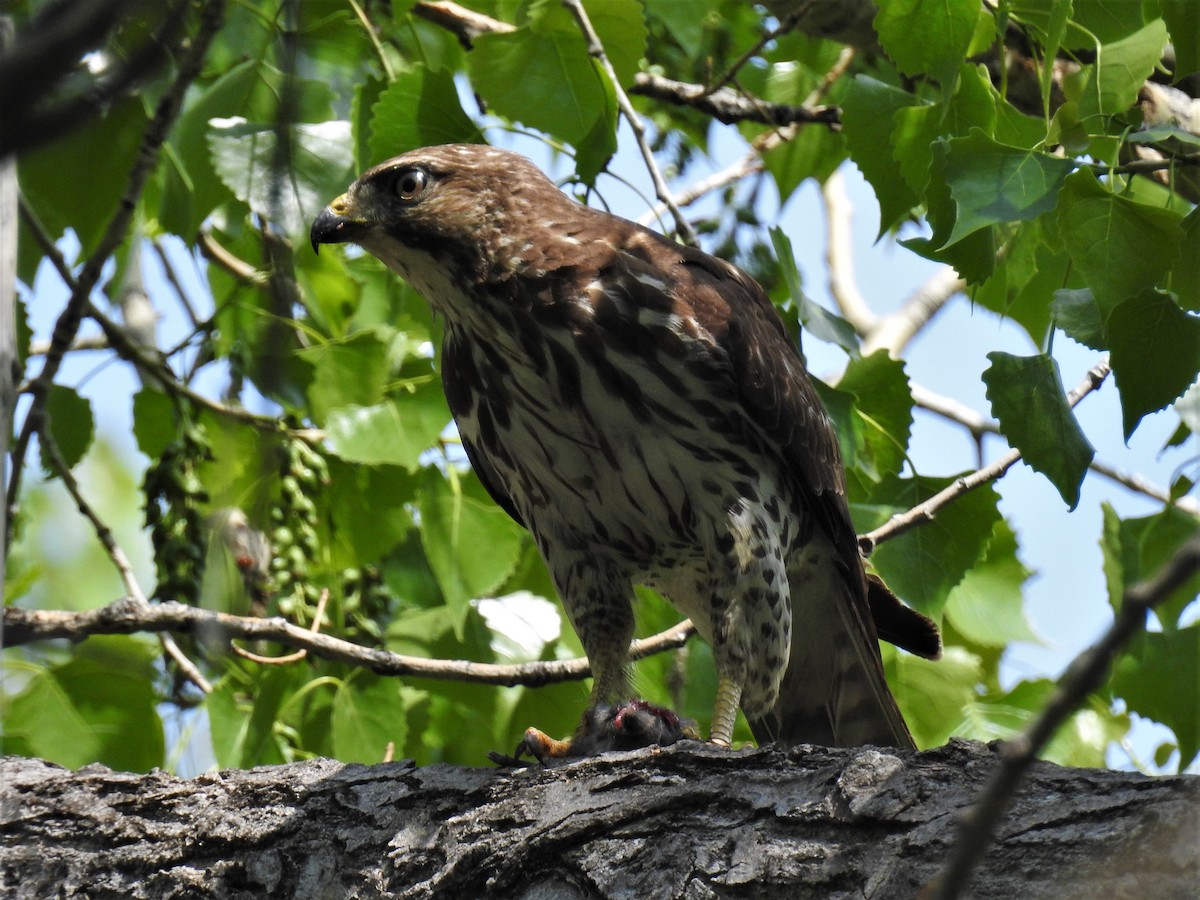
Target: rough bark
{"x":689,"y":821}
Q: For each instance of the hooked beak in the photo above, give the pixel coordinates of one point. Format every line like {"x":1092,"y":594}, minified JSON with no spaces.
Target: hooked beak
{"x":336,"y":225}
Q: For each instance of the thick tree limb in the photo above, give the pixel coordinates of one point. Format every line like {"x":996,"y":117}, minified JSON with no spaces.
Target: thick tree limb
{"x":688,"y":821}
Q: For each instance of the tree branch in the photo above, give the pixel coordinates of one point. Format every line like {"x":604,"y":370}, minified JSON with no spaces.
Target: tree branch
{"x":1083,"y":676}
{"x":129,"y":616}
{"x":681,"y":821}
{"x":729,"y":106}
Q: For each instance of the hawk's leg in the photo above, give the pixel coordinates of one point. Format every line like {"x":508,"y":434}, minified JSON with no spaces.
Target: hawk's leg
{"x":729,"y":695}
{"x":751,"y":617}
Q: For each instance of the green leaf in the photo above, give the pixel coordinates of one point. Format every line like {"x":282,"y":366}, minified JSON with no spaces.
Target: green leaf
{"x":884,"y":403}
{"x":817,"y":320}
{"x":924,"y":563}
{"x":1185,"y":277}
{"x":927,"y":37}
{"x":1102,"y":21}
{"x":69,"y":418}
{"x":371,"y":509}
{"x":1136,"y":548}
{"x":242,"y":739}
{"x":685,"y":22}
{"x":57,"y":199}
{"x":154,"y":422}
{"x":1048,"y":23}
{"x":992,"y":183}
{"x":1025,"y":279}
{"x":98,"y":707}
{"x":1158,"y":676}
{"x":1080,"y":318}
{"x":1155,"y":353}
{"x":471,"y":544}
{"x":419,"y":108}
{"x":394,"y":432}
{"x":287,"y":187}
{"x":868,"y":119}
{"x":542,"y":75}
{"x":934,"y":695}
{"x":1120,"y":246}
{"x":349,"y":372}
{"x":1121,"y":68}
{"x":1028,"y":398}
{"x":251,"y":90}
{"x":987,"y":606}
{"x":1183,"y":19}
{"x":368,"y":714}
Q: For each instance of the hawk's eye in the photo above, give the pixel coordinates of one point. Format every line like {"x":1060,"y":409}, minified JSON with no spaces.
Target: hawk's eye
{"x":411,"y":184}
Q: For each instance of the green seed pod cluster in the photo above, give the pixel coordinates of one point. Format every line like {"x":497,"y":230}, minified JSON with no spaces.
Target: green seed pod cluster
{"x":294,"y":536}
{"x":365,"y":600}
{"x":174,"y":498}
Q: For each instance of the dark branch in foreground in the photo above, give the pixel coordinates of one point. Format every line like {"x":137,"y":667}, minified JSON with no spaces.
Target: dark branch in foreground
{"x":128,"y":616}
{"x":1083,"y":676}
{"x":729,"y":106}
{"x":685,"y":821}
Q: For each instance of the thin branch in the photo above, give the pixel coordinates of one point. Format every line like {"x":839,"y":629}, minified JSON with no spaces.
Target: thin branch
{"x":927,"y":511}
{"x":596,"y":50}
{"x":128,"y":616}
{"x":464,"y":23}
{"x":786,"y":25}
{"x":729,"y":106}
{"x":235,"y":266}
{"x":90,"y":342}
{"x":120,"y":561}
{"x":67,"y":326}
{"x":315,"y":627}
{"x":749,"y":164}
{"x":173,"y":279}
{"x":1083,"y":676}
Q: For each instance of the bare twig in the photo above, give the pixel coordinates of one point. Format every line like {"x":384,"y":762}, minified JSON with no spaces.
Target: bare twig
{"x":749,"y":164}
{"x":119,"y":560}
{"x":1085,"y":673}
{"x":786,"y":25}
{"x":128,"y":616}
{"x":238,"y":268}
{"x":173,"y":279}
{"x":927,"y":511}
{"x":69,"y":320}
{"x":729,"y":106}
{"x":596,"y":50}
{"x":291,"y":657}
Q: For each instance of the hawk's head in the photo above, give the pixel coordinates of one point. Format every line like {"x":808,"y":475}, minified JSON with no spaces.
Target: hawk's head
{"x":460,"y":212}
